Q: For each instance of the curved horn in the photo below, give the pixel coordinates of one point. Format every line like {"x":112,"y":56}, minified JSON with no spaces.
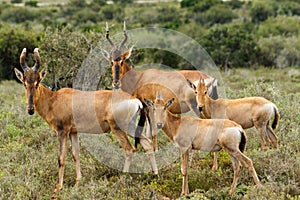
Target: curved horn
{"x":22,"y":61}
{"x":156,"y":95}
{"x":38,"y":60}
{"x":107,"y":36}
{"x":125,"y":36}
{"x":161,"y":95}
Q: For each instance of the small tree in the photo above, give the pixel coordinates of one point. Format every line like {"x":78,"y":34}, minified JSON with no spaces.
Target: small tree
{"x":231,"y":46}
{"x":260,"y":11}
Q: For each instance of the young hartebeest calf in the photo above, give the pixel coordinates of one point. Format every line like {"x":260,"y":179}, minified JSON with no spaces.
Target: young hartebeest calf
{"x":69,"y":111}
{"x":248,"y":112}
{"x":191,"y":133}
{"x":143,"y":84}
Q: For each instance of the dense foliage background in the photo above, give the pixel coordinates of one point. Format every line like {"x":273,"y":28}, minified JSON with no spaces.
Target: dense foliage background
{"x":236,"y":34}
{"x":255,"y":44}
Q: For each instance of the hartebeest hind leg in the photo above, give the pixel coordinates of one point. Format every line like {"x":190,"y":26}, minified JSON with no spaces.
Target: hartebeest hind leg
{"x":247,"y":162}
{"x":63,"y":148}
{"x":272,"y":136}
{"x":260,"y":126}
{"x":75,"y":153}
{"x":125,"y":144}
{"x":236,"y":171}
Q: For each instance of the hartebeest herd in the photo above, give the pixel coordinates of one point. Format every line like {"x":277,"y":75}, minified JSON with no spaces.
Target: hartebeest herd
{"x":158,"y":98}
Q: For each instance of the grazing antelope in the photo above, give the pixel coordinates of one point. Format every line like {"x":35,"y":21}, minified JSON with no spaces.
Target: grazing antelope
{"x":191,"y":133}
{"x":135,"y":82}
{"x":69,"y":111}
{"x":248,"y":112}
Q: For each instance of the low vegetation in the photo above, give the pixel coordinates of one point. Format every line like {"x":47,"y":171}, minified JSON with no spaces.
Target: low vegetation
{"x":29,"y":149}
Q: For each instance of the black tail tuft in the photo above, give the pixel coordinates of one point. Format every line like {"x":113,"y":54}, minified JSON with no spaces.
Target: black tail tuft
{"x":243,"y":142}
{"x":276,"y":118}
{"x":139,"y":128}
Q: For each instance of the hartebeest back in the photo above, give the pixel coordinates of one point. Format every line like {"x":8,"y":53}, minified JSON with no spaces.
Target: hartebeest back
{"x":69,"y":111}
{"x":248,"y":112}
{"x":144,"y":84}
{"x":191,"y":133}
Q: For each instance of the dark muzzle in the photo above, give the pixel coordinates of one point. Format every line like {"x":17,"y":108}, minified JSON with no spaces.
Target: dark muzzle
{"x":116,"y":84}
{"x":30,"y":110}
{"x":159,"y":125}
{"x":201,"y":108}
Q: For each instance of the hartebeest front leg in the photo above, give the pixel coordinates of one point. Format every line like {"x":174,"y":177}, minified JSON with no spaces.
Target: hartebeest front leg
{"x":215,"y":162}
{"x":63,"y":148}
{"x":75,"y":153}
{"x":184,"y":172}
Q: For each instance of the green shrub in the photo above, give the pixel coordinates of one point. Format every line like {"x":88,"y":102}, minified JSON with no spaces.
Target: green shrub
{"x":280,"y":25}
{"x":280,"y":51}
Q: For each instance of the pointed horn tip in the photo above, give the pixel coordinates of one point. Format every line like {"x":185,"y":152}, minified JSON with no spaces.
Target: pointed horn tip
{"x":24,"y":50}
{"x":36,"y":50}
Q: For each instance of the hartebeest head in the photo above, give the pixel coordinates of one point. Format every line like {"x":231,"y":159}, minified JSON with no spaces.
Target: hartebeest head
{"x":30,"y":77}
{"x":201,"y":92}
{"x":159,"y":108}
{"x":117,"y":59}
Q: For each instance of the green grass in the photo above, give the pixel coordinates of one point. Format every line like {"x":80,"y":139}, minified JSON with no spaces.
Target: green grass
{"x":29,"y":149}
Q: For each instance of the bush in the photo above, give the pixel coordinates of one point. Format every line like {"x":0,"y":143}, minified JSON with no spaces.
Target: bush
{"x":260,"y":11}
{"x":231,"y":45}
{"x":280,"y":51}
{"x":218,"y":14}
{"x":19,"y":15}
{"x":12,"y":41}
{"x":280,"y":25}
{"x":63,"y":52}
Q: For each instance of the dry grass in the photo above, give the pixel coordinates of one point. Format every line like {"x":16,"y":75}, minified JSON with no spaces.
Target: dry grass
{"x":28,"y":154}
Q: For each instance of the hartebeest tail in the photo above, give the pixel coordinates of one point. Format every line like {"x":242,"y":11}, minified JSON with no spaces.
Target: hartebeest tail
{"x":210,"y":135}
{"x":69,"y":111}
{"x":242,"y":145}
{"x":276,"y":118}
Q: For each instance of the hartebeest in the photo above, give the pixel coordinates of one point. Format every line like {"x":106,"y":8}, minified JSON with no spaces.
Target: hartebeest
{"x":69,"y":111}
{"x":143,"y":84}
{"x":248,"y":112}
{"x":191,"y":133}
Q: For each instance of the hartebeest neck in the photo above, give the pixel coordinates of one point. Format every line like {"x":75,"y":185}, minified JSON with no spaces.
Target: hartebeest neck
{"x":171,"y":125}
{"x":42,"y":99}
{"x":209,"y":104}
{"x":125,"y":68}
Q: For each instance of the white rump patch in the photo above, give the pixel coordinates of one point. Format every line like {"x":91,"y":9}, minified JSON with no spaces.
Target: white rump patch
{"x":125,"y":114}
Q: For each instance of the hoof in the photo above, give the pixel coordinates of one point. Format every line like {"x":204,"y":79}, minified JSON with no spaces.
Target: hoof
{"x":214,"y":168}
{"x":57,"y":189}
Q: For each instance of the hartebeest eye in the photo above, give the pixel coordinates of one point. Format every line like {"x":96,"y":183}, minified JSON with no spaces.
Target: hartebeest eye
{"x":196,"y":92}
{"x":205,"y":92}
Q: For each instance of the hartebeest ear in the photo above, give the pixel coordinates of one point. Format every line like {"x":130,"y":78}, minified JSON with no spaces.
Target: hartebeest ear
{"x":148,"y":102}
{"x":169,"y":103}
{"x":211,"y":83}
{"x":43,"y":73}
{"x":106,"y":55}
{"x":192,"y":85}
{"x":19,"y":75}
{"x":127,"y":54}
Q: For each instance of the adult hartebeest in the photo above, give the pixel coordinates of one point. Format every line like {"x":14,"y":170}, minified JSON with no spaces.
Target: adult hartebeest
{"x":69,"y":111}
{"x":248,"y":112}
{"x":143,"y":84}
{"x":191,"y":133}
